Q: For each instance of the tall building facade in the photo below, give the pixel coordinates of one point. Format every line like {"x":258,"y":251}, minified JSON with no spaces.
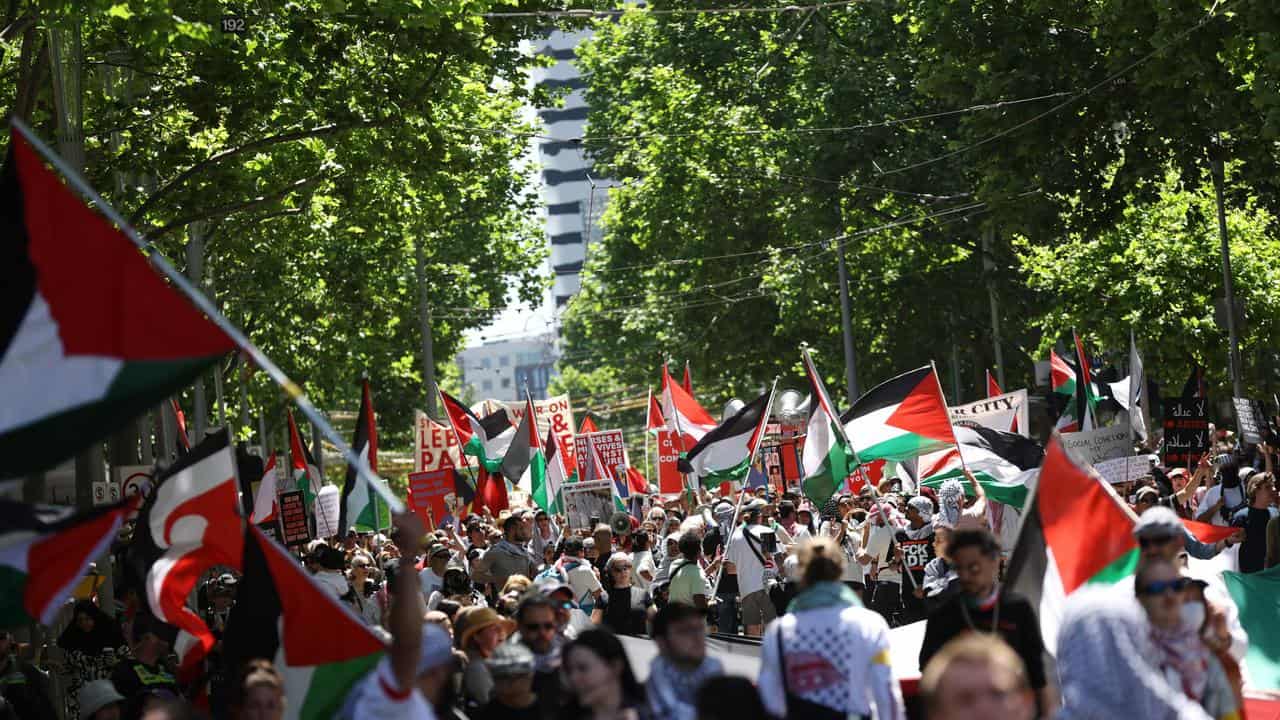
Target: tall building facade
{"x":502,"y":369}
{"x":574,"y":197}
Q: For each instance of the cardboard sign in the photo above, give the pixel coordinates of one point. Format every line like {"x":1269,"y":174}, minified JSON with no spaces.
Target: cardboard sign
{"x":670,"y":479}
{"x":1186,"y":431}
{"x":610,"y":445}
{"x":1125,"y":469}
{"x":435,"y":446}
{"x":1251,"y":421}
{"x":293,"y":518}
{"x":555,"y":413}
{"x":1094,"y":446}
{"x":585,"y":500}
{"x":434,"y":497}
{"x":997,"y":413}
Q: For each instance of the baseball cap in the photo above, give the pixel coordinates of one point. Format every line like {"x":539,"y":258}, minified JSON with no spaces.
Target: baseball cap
{"x":1147,"y":491}
{"x":437,"y":550}
{"x":437,"y":648}
{"x":754,"y":505}
{"x":1158,"y":522}
{"x":96,"y":695}
{"x":551,"y":584}
{"x":510,"y":658}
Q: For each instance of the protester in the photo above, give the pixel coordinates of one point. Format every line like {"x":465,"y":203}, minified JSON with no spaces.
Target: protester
{"x":729,"y":697}
{"x":330,"y":575}
{"x":828,"y":657}
{"x":511,"y":667}
{"x":362,"y":589}
{"x":580,"y":574}
{"x":431,"y":578}
{"x":878,"y":556}
{"x":545,"y":533}
{"x":1213,"y":632}
{"x":749,"y":551}
{"x":478,"y":632}
{"x":261,"y":692}
{"x":643,"y":568}
{"x":458,"y":588}
{"x":916,"y":551}
{"x":1260,"y":492}
{"x":599,"y":681}
{"x":1106,"y":662}
{"x":982,"y":606}
{"x":143,"y":675}
{"x":977,"y":677}
{"x":682,"y":665}
{"x":940,"y":581}
{"x":91,"y":646}
{"x":22,"y":685}
{"x":713,"y":546}
{"x":98,"y":700}
{"x":1222,"y":500}
{"x":539,"y":631}
{"x":686,"y":582}
{"x":508,"y":556}
{"x":624,"y":608}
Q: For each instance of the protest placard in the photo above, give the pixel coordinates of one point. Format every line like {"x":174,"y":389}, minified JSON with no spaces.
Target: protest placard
{"x":555,"y":413}
{"x":1094,"y":446}
{"x":1125,"y":469}
{"x":293,"y":518}
{"x":435,"y":446}
{"x":1186,"y":431}
{"x":609,"y":444}
{"x":997,"y":413}
{"x":1251,"y":421}
{"x":433,"y":496}
{"x":670,"y":480}
{"x":586,"y":500}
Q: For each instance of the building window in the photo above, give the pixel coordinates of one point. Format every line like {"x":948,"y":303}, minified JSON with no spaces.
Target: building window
{"x":504,"y":361}
{"x":485,"y":363}
{"x":487,"y":385}
{"x":506,"y":383}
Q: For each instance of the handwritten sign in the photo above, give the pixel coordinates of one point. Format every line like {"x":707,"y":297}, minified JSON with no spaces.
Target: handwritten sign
{"x":611,"y":447}
{"x":1250,"y":420}
{"x":435,"y":446}
{"x":1186,"y":431}
{"x":1125,"y":469}
{"x":293,"y":518}
{"x":1094,"y":446}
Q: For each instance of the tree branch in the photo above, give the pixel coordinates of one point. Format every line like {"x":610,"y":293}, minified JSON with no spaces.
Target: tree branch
{"x":226,"y":210}
{"x":248,"y":147}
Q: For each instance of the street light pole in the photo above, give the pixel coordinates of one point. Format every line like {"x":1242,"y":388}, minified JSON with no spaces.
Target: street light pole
{"x":1228,"y":284}
{"x":846,"y":326}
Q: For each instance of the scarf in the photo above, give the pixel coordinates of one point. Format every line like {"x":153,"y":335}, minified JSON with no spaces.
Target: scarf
{"x":823,"y":595}
{"x":672,"y":691}
{"x":951,"y":501}
{"x":1184,"y":658}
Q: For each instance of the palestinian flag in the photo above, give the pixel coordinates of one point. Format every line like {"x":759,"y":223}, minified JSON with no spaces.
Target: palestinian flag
{"x":827,"y":457}
{"x":44,"y":551}
{"x":900,"y":419}
{"x":993,"y":388}
{"x":361,"y":506}
{"x":320,"y":648}
{"x":525,"y":463}
{"x":90,"y":335}
{"x":547,"y":495}
{"x":306,"y":474}
{"x":189,"y":525}
{"x":1257,"y":600}
{"x":265,"y":505}
{"x":491,"y":492}
{"x":653,"y":420}
{"x":1075,"y":530}
{"x":683,"y":413}
{"x":486,"y":439}
{"x":1001,"y":461}
{"x":724,"y":454}
{"x":588,"y":426}
{"x":1086,"y":400}
{"x":687,"y":382}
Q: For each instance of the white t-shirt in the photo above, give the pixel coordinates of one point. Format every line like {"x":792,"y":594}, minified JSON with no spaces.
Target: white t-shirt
{"x":430,"y":582}
{"x":879,"y":542}
{"x":1235,"y":496}
{"x":744,"y":559}
{"x":584,"y":583}
{"x":378,"y":698}
{"x":642,"y":560}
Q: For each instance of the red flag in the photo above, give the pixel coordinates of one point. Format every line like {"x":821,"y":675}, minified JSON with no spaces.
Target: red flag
{"x":1207,"y":533}
{"x":491,"y":492}
{"x":636,"y":482}
{"x":588,"y":426}
{"x":993,"y":389}
{"x":654,"y":420}
{"x":687,"y":383}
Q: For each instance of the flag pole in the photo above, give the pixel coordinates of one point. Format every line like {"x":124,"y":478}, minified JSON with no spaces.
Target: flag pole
{"x":647,"y":407}
{"x":180,"y":281}
{"x":675,"y":418}
{"x":475,"y":484}
{"x":751,"y":459}
{"x":954,"y":440}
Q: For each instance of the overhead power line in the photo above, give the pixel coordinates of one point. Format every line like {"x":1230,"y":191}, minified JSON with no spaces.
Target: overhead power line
{"x":589,"y":13}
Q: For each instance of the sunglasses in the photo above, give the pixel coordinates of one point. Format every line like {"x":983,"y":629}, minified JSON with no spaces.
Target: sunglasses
{"x":538,"y":626}
{"x":1160,"y":587}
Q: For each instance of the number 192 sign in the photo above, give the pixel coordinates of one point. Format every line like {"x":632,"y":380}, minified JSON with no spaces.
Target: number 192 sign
{"x":233,"y":24}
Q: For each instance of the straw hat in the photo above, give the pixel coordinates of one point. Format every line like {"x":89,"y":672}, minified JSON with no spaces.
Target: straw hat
{"x":471,"y":620}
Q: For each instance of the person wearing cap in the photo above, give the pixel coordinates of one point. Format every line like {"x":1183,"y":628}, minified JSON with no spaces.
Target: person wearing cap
{"x":478,"y":632}
{"x":570,"y":617}
{"x":144,"y":675}
{"x":750,"y":556}
{"x":99,"y":700}
{"x":509,"y":556}
{"x":432,"y":575}
{"x":624,"y":608}
{"x":916,"y":550}
{"x":511,"y":667}
{"x":1260,"y":491}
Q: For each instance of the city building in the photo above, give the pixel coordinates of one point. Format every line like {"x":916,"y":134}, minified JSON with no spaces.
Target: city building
{"x":501,"y":369}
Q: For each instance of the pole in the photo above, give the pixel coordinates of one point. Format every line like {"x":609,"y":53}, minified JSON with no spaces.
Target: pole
{"x":195,"y":272}
{"x":647,"y":407}
{"x":424,"y":324}
{"x":462,"y":456}
{"x":166,"y":268}
{"x":244,"y":405}
{"x":751,"y":459}
{"x":846,"y":325}
{"x":1228,"y":284}
{"x":988,"y":272}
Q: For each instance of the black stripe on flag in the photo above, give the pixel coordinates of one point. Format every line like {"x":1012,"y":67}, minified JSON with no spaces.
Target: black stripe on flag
{"x":19,"y":286}
{"x":890,"y":392}
{"x":253,"y":629}
{"x":1030,"y":560}
{"x":744,"y":421}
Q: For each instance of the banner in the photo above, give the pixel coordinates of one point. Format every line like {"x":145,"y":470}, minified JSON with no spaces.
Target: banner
{"x":435,"y":446}
{"x":587,"y":501}
{"x":1094,"y":446}
{"x":1251,"y":421}
{"x":433,"y":496}
{"x":293,"y":518}
{"x":555,"y":413}
{"x":670,"y":480}
{"x":1186,"y":431}
{"x":1125,"y":469}
{"x":610,"y":445}
{"x":997,"y":413}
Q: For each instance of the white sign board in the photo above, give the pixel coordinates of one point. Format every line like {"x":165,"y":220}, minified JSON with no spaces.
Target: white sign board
{"x":1007,"y":412}
{"x":555,"y":413}
{"x":1125,"y":469}
{"x":1094,"y":446}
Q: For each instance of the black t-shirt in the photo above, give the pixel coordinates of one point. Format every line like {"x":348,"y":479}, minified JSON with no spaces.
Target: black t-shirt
{"x":136,"y":681}
{"x":916,"y":554}
{"x":625,"y":610}
{"x":1253,"y":551}
{"x":497,"y":711}
{"x":1018,"y":626}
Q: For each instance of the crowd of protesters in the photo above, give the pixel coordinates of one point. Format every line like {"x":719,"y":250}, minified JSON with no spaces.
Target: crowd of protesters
{"x":518,"y":616}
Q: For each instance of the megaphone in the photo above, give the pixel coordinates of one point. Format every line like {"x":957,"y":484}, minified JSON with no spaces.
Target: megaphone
{"x":620,"y":523}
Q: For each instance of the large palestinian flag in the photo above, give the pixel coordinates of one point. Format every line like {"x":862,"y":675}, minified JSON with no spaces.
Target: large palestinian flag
{"x":306,"y":474}
{"x":999,"y":460}
{"x":90,"y":335}
{"x":525,"y":463}
{"x":828,"y":459}
{"x":320,"y":648}
{"x":1075,"y":530}
{"x":900,"y":419}
{"x":683,"y":413}
{"x":361,"y":506}
{"x":559,"y":471}
{"x":486,"y":439}
{"x":724,"y":454}
{"x":44,"y":551}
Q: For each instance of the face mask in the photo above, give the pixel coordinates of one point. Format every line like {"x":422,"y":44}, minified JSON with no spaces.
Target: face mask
{"x":1192,"y":615}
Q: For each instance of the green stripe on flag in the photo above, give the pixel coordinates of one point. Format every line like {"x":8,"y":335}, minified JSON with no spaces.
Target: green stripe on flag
{"x":1257,"y":596}
{"x":13,"y":611}
{"x":1119,"y":569}
{"x":330,"y":684}
{"x":820,"y":486}
{"x":1012,"y":494}
{"x":730,"y":474}
{"x":903,"y":447}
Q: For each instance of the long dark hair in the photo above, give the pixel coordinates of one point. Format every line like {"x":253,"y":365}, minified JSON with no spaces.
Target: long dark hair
{"x":606,"y":646}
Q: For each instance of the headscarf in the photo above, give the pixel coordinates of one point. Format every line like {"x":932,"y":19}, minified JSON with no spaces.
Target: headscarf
{"x":1184,"y":658}
{"x":105,"y":633}
{"x":951,"y":501}
{"x":1104,"y":648}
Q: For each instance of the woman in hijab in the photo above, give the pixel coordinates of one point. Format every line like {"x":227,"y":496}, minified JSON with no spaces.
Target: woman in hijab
{"x":1176,"y":620}
{"x":1105,"y":662}
{"x":92,"y":644}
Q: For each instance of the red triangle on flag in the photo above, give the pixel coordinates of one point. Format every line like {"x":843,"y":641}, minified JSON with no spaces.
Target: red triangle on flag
{"x":588,"y":426}
{"x":924,"y":412}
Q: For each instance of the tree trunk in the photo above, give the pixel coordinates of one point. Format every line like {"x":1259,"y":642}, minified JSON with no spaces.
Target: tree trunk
{"x":424,"y":322}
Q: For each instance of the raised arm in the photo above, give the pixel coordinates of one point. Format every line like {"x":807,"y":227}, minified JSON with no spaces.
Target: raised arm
{"x":406,"y":613}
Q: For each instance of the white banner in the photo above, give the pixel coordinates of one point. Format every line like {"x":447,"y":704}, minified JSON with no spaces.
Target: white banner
{"x":998,"y":413}
{"x":435,"y":446}
{"x":1125,"y":469}
{"x":1094,"y":446}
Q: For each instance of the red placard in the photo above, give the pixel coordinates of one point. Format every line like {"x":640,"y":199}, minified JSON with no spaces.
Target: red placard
{"x":611,"y":446}
{"x":670,"y":481}
{"x":432,"y":495}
